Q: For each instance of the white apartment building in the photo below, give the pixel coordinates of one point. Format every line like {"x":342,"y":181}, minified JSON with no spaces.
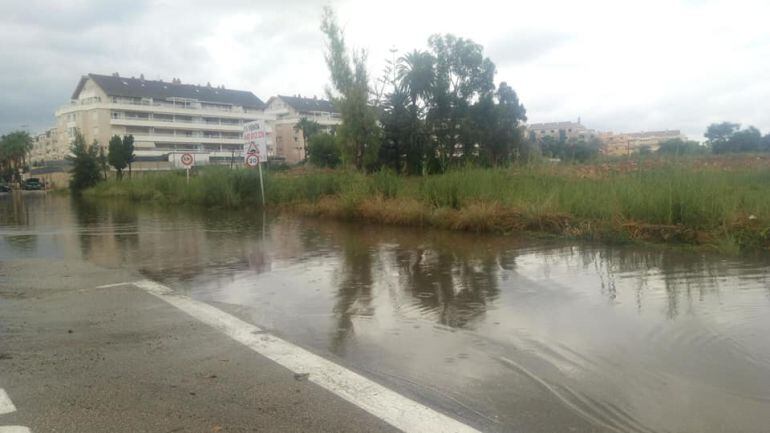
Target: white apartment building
{"x":626,"y":143}
{"x":45,"y":147}
{"x":287,"y":111}
{"x":164,"y":118}
{"x":560,"y":131}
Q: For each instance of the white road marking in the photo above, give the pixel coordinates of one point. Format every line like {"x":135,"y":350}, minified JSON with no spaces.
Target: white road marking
{"x":6,"y":405}
{"x":393,"y":408}
{"x":14,"y":429}
{"x":107,"y":286}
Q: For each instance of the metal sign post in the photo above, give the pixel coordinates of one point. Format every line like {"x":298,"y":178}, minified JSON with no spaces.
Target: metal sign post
{"x":261,"y":184}
{"x":187,"y":159}
{"x":253,"y":160}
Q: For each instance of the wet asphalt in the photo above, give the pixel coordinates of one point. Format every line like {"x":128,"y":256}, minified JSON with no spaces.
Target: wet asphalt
{"x":75,"y":358}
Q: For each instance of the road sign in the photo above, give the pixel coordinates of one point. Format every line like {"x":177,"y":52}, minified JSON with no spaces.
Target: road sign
{"x":187,"y":159}
{"x":256,"y":136}
{"x":252,"y":160}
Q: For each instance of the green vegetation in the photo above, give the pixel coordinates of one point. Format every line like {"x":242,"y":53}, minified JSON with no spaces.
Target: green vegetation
{"x":86,"y":168}
{"x":359,"y":133}
{"x":437,"y":109}
{"x":570,"y":150}
{"x":121,"y":153}
{"x":668,"y":202}
{"x":14,"y":148}
{"x":678,"y":147}
{"x":324,"y":151}
{"x":727,"y":137}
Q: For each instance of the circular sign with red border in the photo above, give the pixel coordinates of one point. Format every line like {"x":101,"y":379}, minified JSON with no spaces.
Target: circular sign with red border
{"x":252,"y":160}
{"x":187,"y":159}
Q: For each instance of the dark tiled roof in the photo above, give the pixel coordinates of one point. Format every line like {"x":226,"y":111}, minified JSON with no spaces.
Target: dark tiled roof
{"x":306,"y":105}
{"x":139,"y":88}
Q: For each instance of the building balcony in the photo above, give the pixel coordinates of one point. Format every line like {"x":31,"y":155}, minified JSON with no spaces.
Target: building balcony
{"x":193,"y":125}
{"x":235,"y":113}
{"x":179,"y":139}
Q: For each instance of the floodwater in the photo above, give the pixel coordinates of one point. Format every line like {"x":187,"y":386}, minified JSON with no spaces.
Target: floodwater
{"x":490,"y":328}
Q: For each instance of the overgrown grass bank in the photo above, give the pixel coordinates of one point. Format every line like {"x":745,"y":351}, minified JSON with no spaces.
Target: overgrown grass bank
{"x":725,"y":209}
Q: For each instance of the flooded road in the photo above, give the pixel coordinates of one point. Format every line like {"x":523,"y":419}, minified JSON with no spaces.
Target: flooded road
{"x":492,"y":328}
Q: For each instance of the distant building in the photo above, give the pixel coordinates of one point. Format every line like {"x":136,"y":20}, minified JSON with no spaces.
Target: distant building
{"x":560,"y":131}
{"x":45,"y":147}
{"x":287,"y":111}
{"x":628,"y":143}
{"x":164,"y":117}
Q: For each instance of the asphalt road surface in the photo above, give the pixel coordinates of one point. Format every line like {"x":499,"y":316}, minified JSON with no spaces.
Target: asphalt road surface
{"x":77,"y":358}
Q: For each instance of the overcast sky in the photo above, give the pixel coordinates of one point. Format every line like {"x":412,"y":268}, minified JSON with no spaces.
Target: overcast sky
{"x":619,"y":65}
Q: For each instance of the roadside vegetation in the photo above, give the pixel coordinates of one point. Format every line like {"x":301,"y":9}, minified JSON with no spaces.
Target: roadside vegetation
{"x":712,"y":202}
{"x":90,"y":163}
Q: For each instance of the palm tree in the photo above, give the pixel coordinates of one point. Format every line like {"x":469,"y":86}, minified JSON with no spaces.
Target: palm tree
{"x":14,"y":148}
{"x":416,"y":74}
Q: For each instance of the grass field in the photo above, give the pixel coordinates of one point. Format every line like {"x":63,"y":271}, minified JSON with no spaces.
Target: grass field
{"x":720,"y":204}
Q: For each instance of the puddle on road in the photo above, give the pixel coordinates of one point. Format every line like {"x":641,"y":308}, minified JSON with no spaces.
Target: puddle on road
{"x":633,"y":339}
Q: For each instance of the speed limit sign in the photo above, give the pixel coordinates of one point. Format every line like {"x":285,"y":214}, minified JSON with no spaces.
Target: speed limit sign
{"x":252,"y":160}
{"x":187,"y":159}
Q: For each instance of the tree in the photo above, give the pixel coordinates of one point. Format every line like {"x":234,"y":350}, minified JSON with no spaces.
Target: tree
{"x":309,"y":128}
{"x":416,"y":77}
{"x":551,"y":147}
{"x":508,"y":143}
{"x":358,"y":132}
{"x":582,"y":150}
{"x":443,"y":107}
{"x":128,"y":150}
{"x":397,"y":131}
{"x":121,"y":154}
{"x":746,"y":140}
{"x":325,"y":151}
{"x":677,"y":146}
{"x":719,"y":134}
{"x":85,"y":164}
{"x":117,"y":155}
{"x":14,"y":148}
{"x":728,"y":137}
{"x":462,"y":75}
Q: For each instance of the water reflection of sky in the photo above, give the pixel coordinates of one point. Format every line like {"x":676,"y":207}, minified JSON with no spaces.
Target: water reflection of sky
{"x":629,"y":337}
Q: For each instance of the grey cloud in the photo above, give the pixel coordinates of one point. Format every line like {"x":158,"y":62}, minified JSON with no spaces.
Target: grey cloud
{"x":72,"y":15}
{"x":523,"y":47}
{"x":51,"y":44}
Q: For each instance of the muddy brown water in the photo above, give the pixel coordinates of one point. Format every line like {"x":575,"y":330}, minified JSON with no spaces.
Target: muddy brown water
{"x":629,"y":338}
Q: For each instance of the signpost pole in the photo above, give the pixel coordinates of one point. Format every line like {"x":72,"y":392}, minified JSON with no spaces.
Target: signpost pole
{"x":188,"y":175}
{"x":261,"y":184}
